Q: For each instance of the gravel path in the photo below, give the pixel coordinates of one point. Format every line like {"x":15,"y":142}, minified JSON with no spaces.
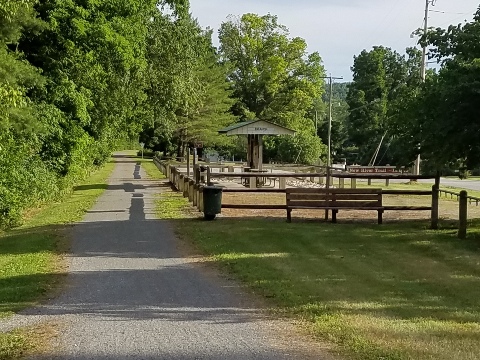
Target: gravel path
{"x":131,"y":294}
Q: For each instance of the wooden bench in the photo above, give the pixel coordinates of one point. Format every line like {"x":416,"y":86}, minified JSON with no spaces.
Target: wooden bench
{"x":334,"y":199}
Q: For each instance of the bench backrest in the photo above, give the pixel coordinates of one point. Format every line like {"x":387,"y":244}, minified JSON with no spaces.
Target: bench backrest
{"x":333,"y":197}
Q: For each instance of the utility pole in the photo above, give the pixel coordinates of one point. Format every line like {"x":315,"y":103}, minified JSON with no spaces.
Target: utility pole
{"x":424,"y":66}
{"x":330,"y":78}
{"x":425,"y":29}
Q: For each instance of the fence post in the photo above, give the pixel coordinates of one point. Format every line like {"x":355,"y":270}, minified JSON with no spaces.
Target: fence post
{"x":177,"y":179}
{"x":200,"y":201}
{"x":369,"y":182}
{"x":387,"y":182}
{"x":208,"y":176}
{"x":186,"y":185}
{"x":191,"y":184}
{"x":172,"y":175}
{"x":253,"y":182}
{"x":462,"y":215}
{"x":188,"y":162}
{"x":181,"y":178}
{"x":195,"y":194}
{"x":312,"y":179}
{"x":434,"y":213}
{"x":353,"y":183}
{"x":196,"y":174}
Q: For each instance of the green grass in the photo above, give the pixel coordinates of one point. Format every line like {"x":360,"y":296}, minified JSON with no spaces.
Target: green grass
{"x":173,"y":204}
{"x":31,"y":256}
{"x":395,"y":291}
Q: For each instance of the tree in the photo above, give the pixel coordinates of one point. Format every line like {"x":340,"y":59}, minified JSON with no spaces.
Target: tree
{"x":449,"y":124}
{"x":188,"y":90}
{"x":273,"y":77}
{"x":442,"y":120}
{"x":382,"y":81}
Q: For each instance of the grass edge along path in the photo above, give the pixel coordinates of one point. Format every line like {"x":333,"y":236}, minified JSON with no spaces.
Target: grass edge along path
{"x":32,"y":260}
{"x":390,"y":292}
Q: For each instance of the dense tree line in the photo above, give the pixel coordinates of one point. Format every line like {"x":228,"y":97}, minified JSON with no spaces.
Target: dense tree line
{"x":438,"y":119}
{"x":78,"y":78}
{"x":75,"y":81}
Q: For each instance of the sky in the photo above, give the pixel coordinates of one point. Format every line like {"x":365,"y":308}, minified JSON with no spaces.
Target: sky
{"x":341,"y":29}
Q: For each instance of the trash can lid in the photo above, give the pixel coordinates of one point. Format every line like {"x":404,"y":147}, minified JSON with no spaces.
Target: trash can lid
{"x":211,"y":187}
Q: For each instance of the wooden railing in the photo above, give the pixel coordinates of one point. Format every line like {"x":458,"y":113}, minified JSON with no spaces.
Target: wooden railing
{"x":191,"y":185}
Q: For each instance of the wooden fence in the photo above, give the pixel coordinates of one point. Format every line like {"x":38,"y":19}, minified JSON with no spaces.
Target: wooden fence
{"x":191,"y":185}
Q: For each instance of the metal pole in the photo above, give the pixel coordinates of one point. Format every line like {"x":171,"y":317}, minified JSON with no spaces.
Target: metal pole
{"x":423,"y":69}
{"x":331,"y":78}
{"x":329,"y":161}
{"x":424,"y":49}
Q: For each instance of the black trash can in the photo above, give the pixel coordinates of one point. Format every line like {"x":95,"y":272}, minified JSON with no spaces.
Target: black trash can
{"x":212,"y":201}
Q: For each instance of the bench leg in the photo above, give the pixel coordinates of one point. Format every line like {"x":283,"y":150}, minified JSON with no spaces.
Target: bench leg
{"x":380,"y":216}
{"x":334,"y":216}
{"x":289,"y":215}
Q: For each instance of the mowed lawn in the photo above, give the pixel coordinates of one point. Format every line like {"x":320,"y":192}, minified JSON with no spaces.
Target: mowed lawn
{"x":31,"y":260}
{"x":394,"y":291}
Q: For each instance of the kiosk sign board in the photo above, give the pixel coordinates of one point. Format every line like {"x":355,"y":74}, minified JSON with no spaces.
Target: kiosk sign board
{"x":376,"y":170}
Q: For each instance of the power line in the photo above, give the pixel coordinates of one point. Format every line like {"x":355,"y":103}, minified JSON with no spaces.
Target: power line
{"x":447,"y":12}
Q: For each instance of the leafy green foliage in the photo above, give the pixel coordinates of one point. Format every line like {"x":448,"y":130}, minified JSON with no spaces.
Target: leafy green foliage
{"x":273,"y":78}
{"x":448,"y":111}
{"x":383,"y":82}
{"x":79,"y":77}
{"x":74,"y":72}
{"x":188,"y":90}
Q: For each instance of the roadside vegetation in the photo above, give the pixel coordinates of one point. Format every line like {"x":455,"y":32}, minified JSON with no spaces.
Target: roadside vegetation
{"x":31,"y":259}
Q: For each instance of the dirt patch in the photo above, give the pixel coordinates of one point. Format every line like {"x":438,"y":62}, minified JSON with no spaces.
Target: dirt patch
{"x":448,"y":209}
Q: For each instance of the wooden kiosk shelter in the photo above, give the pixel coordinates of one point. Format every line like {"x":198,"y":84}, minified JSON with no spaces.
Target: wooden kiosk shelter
{"x":255,"y":130}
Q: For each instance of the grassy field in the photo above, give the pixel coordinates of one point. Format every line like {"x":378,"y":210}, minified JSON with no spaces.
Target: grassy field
{"x":396,"y":291}
{"x":31,"y":258}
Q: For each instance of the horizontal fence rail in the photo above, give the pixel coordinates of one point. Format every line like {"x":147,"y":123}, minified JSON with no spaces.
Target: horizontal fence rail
{"x":470,"y":199}
{"x":191,"y":183}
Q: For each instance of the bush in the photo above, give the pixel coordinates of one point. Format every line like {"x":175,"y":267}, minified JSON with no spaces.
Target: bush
{"x":302,"y":148}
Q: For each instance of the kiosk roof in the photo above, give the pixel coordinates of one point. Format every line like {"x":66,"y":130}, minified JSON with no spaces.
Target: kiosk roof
{"x":256,"y":127}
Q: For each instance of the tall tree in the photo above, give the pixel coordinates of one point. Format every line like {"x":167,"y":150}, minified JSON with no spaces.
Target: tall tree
{"x":274,"y":78}
{"x":381,"y":77}
{"x":188,"y":91}
{"x":446,"y":115}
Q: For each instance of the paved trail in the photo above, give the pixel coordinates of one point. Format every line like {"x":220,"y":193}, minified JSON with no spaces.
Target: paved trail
{"x":131,"y":295}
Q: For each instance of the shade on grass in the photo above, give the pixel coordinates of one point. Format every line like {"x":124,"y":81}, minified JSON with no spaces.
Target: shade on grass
{"x":396,"y":291}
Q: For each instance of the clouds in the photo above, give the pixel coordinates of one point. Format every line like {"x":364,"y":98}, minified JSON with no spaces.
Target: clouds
{"x":340,"y":29}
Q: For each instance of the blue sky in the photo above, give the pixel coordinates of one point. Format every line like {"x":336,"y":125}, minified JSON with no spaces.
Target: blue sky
{"x":340,"y":29}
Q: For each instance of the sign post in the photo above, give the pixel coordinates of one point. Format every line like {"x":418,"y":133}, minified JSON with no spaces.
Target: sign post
{"x":142,"y":145}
